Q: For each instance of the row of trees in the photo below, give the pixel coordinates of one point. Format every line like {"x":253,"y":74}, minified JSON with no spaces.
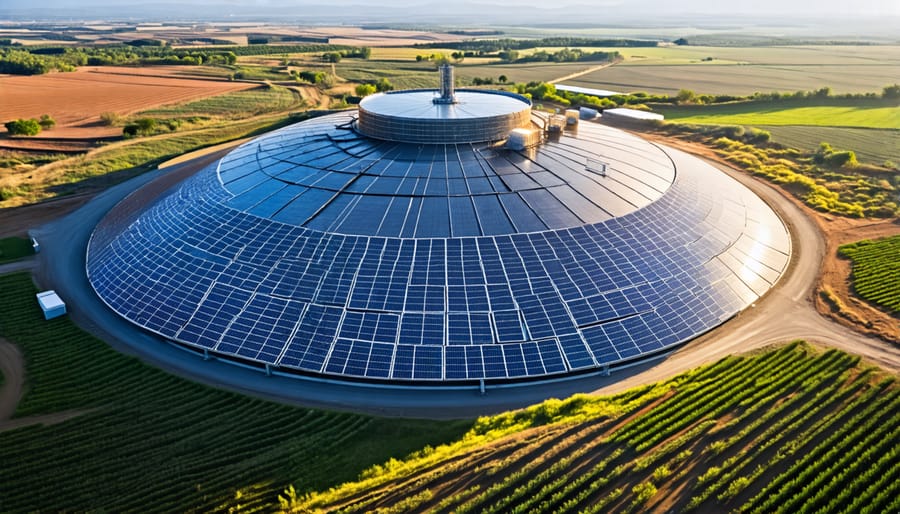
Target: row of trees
{"x":39,"y":60}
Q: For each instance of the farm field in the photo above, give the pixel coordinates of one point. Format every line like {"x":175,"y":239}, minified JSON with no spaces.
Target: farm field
{"x":788,"y":430}
{"x":741,"y":79}
{"x":235,"y":105}
{"x":874,"y":146}
{"x":745,"y":70}
{"x":876,"y":271}
{"x":76,"y":99}
{"x":526,"y":72}
{"x":836,"y":113}
{"x":135,"y":436}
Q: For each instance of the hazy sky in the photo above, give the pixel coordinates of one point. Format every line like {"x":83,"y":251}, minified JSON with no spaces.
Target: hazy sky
{"x":631,"y":9}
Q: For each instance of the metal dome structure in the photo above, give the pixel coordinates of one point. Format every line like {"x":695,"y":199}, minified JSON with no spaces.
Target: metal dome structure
{"x":335,"y":249}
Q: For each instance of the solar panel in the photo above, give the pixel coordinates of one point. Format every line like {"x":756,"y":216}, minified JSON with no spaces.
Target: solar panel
{"x":318,"y":250}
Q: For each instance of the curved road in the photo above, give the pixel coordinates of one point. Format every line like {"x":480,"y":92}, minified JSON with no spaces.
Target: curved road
{"x":785,"y":313}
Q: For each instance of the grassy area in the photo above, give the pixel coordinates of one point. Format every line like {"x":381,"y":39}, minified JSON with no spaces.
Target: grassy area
{"x":835,"y":113}
{"x":712,"y":78}
{"x":403,"y":75}
{"x":875,"y":146}
{"x":146,"y":439}
{"x":851,"y":190}
{"x":235,"y":105}
{"x":876,"y":271}
{"x":789,"y":430}
{"x":15,"y":248}
{"x":22,"y":161}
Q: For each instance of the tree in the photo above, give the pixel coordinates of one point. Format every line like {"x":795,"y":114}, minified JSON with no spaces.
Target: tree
{"x":46,"y":122}
{"x":681,"y":41}
{"x":891,"y":92}
{"x":23,"y":127}
{"x":502,"y":79}
{"x":363,"y":90}
{"x":685,"y":96}
{"x":365,"y":52}
{"x":383,"y":85}
{"x":334,"y":57}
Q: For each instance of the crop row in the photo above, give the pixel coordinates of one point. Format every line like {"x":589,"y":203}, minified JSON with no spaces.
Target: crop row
{"x":876,"y":270}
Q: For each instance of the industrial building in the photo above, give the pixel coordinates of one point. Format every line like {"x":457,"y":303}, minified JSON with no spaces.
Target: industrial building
{"x":406,"y":242}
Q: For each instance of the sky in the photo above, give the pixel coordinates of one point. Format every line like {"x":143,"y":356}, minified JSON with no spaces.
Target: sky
{"x":575,"y":10}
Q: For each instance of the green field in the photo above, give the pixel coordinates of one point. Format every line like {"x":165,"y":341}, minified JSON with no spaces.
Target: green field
{"x":837,"y":113}
{"x":141,"y":440}
{"x":874,"y":146}
{"x":876,"y":271}
{"x":239,"y":104}
{"x":745,"y":70}
{"x":15,"y":248}
{"x":787,"y":430}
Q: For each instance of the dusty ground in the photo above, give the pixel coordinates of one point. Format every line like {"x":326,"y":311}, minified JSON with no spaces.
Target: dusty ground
{"x":835,"y":273}
{"x":76,"y":99}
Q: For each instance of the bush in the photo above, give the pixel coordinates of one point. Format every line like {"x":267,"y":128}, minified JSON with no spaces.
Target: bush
{"x":23,"y":127}
{"x":365,"y":90}
{"x":111,"y":118}
{"x":46,"y":122}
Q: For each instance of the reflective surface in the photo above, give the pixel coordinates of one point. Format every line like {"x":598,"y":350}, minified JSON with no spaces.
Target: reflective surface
{"x":324,"y":176}
{"x":232,"y":263}
{"x":414,"y":117}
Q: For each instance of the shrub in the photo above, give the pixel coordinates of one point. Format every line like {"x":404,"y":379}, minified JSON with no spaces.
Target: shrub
{"x":46,"y":122}
{"x":23,"y":127}
{"x":365,"y":90}
{"x":111,"y":118}
{"x":643,"y":492}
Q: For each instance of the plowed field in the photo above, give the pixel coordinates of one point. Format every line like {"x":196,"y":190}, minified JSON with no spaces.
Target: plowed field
{"x":76,"y":99}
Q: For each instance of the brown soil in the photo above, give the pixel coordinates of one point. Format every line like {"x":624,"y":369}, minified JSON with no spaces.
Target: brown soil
{"x":76,"y":99}
{"x":858,"y":314}
{"x":835,"y":277}
{"x":17,"y":221}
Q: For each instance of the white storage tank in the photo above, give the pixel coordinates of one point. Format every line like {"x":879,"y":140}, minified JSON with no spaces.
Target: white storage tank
{"x":521,"y":138}
{"x":51,"y":304}
{"x":587,"y":113}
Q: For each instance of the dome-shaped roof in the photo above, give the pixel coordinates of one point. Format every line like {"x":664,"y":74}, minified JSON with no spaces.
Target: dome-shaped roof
{"x":325,"y":176}
{"x":318,"y":250}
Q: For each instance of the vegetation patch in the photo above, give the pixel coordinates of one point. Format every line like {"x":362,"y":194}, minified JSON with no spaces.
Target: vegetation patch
{"x":146,"y":438}
{"x":15,"y":248}
{"x":876,"y":271}
{"x":790,"y":429}
{"x":874,"y":146}
{"x":882,"y":114}
{"x":236,"y":105}
{"x":826,"y":180}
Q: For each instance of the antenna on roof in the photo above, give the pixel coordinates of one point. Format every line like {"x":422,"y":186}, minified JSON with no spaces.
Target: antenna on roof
{"x":447,"y":96}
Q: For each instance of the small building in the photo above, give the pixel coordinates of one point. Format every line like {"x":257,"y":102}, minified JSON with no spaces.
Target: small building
{"x":601,"y":93}
{"x":51,"y":304}
{"x":622,"y":115}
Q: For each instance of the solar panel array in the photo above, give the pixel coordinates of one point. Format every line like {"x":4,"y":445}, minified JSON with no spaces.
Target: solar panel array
{"x":207,"y":267}
{"x":322,"y":175}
